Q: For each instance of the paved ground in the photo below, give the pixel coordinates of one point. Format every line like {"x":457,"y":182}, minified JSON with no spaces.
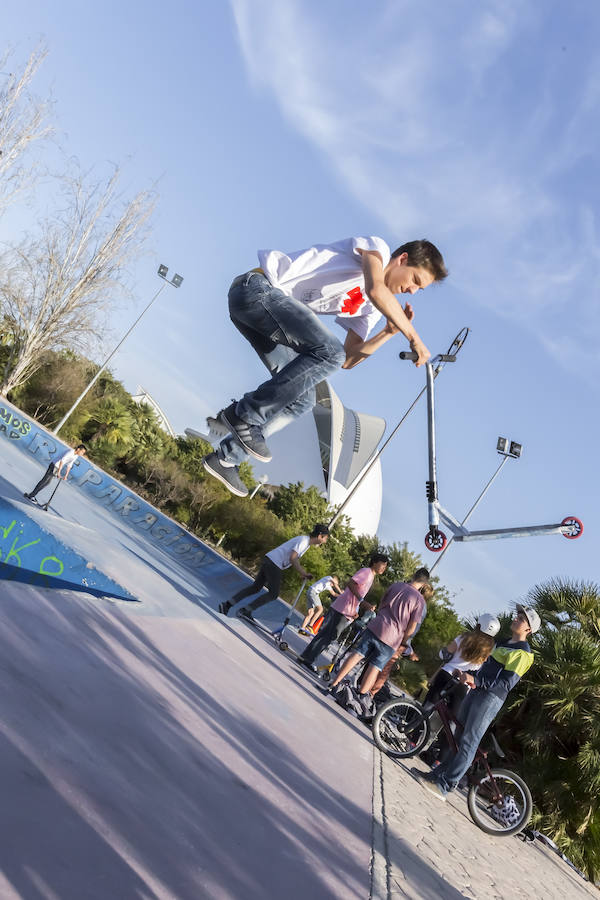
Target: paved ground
{"x":173,"y":759}
{"x":433,"y":850}
{"x":156,"y":750}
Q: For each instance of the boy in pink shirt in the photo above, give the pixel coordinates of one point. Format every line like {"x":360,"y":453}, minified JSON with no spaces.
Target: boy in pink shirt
{"x":344,"y":609}
{"x":400,"y":611}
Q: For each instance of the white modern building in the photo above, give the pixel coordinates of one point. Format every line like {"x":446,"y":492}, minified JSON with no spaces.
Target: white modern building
{"x":142,"y":396}
{"x":333,"y":457}
{"x":347,"y":442}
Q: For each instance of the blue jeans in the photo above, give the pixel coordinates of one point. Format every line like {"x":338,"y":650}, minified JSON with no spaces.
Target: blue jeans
{"x":297,"y":349}
{"x":477,"y":713}
{"x":374,"y":651}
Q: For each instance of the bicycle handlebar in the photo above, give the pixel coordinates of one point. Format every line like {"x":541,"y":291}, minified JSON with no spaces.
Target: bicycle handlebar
{"x":442,"y":357}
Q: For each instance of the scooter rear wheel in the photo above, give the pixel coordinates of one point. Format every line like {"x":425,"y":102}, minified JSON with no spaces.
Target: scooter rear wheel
{"x":435,"y":542}
{"x":576,"y":526}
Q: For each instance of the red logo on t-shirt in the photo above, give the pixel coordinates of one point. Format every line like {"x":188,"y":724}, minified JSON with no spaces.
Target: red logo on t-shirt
{"x":353,"y":301}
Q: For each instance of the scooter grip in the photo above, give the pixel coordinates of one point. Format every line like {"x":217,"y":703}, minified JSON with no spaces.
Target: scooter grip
{"x":443,"y":357}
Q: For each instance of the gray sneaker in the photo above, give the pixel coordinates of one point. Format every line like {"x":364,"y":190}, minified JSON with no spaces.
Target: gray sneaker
{"x":227,"y":475}
{"x":249,"y":437}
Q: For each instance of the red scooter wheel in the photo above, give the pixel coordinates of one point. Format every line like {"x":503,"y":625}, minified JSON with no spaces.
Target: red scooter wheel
{"x":435,"y":542}
{"x":576,"y":526}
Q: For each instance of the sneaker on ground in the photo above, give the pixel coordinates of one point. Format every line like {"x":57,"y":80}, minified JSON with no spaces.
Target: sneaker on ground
{"x":249,"y":437}
{"x":244,"y":613}
{"x":224,"y":607}
{"x":434,"y":788}
{"x":227,"y":475}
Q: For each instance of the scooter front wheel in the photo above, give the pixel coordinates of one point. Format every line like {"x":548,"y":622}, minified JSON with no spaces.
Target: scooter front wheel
{"x":435,"y":542}
{"x":283,"y":645}
{"x":575,"y":527}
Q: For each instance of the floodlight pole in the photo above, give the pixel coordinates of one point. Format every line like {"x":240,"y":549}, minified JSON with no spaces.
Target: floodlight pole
{"x":505,"y":456}
{"x":175,"y":282}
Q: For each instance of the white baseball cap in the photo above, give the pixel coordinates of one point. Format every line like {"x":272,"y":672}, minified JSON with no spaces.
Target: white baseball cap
{"x":532,"y":617}
{"x":489,"y":624}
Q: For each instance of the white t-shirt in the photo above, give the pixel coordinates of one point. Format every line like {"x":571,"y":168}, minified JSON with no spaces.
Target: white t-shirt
{"x":457,"y":662}
{"x":281,"y":555}
{"x":329,"y":279}
{"x":67,"y":459}
{"x":323,"y":584}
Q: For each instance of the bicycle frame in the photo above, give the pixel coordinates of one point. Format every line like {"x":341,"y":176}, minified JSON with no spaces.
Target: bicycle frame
{"x":435,"y":539}
{"x":481,"y":756}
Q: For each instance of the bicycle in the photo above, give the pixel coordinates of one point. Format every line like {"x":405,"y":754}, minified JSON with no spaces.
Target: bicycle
{"x":499,"y":801}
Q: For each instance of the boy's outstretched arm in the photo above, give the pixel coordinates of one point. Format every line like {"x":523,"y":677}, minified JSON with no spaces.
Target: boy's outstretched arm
{"x":385,"y":301}
{"x":357,"y":350}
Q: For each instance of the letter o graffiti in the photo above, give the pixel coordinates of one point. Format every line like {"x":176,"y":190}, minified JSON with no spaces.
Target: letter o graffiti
{"x":55,"y":559}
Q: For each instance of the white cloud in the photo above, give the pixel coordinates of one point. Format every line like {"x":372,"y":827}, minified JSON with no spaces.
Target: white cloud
{"x":461,"y":126}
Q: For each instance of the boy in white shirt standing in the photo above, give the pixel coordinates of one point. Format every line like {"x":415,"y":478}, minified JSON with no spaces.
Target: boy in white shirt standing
{"x":278,"y":309}
{"x":269,"y":575}
{"x":344,"y":610}
{"x":328,"y":583}
{"x":55,"y":468}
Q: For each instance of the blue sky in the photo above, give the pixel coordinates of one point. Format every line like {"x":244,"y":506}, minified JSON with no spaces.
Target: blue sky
{"x":283,"y":124}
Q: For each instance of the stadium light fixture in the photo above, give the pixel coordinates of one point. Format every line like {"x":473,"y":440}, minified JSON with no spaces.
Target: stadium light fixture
{"x":175,"y":282}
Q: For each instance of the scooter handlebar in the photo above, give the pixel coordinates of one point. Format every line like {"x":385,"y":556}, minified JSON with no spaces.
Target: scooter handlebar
{"x":443,"y":357}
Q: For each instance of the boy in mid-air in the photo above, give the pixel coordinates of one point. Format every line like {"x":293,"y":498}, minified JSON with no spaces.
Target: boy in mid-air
{"x":279,"y":309}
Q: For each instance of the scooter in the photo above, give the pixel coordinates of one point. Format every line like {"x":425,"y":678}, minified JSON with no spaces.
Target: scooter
{"x":437,"y":366}
{"x":435,"y":539}
{"x":277,"y":633}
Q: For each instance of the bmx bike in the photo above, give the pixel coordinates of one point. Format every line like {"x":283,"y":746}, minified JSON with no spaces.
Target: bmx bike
{"x":498,"y":800}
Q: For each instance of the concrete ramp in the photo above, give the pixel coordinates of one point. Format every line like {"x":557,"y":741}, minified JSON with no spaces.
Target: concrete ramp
{"x":32,"y":554}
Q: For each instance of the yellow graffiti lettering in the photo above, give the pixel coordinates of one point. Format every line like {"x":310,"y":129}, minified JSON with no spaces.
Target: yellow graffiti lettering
{"x":7,"y":531}
{"x":45,"y":571}
{"x":14,"y":550}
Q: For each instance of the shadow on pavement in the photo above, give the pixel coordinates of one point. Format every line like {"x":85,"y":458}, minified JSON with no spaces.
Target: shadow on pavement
{"x":108,"y":792}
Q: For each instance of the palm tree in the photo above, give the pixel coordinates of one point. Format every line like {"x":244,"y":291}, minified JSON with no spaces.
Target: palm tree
{"x":110,"y":425}
{"x":554,"y":718}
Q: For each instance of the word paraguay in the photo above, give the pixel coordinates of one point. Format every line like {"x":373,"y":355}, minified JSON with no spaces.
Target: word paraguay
{"x":49,"y":565}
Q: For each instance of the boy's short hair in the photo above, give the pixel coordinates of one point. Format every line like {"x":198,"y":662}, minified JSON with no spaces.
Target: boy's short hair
{"x":319,"y":529}
{"x":424,"y":255}
{"x":378,"y":557}
{"x":421,"y":574}
{"x":81,"y":447}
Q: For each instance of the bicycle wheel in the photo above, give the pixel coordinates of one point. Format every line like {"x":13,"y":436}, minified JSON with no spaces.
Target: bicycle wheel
{"x":500,"y":803}
{"x":400,"y":729}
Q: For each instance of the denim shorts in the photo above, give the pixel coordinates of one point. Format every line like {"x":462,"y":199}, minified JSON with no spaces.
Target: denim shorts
{"x":374,"y":651}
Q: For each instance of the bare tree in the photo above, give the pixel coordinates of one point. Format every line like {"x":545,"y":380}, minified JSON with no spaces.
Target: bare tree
{"x":23,"y":120}
{"x":55,"y":290}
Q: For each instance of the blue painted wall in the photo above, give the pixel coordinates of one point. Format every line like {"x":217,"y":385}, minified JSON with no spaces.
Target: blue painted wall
{"x":32,"y":554}
{"x":125,"y":505}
